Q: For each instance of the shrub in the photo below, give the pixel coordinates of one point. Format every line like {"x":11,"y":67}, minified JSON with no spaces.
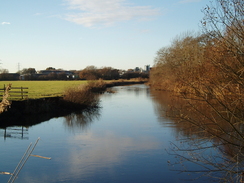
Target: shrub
{"x":85,"y":95}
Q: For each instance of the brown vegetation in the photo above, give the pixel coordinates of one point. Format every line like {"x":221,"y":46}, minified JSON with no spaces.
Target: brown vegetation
{"x":208,"y":68}
{"x":93,"y":73}
{"x":86,"y":95}
{"x":109,"y":73}
{"x":5,"y":104}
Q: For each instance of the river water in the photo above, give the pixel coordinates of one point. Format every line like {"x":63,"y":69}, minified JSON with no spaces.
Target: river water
{"x":126,"y":140}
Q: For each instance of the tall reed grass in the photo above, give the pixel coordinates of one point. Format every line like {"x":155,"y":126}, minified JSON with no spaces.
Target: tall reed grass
{"x":85,"y":94}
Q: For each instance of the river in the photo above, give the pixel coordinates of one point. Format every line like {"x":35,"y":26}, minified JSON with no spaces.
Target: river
{"x":127,"y":140}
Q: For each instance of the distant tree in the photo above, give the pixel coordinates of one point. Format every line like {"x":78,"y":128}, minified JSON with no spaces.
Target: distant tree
{"x":2,"y":71}
{"x":115,"y":74}
{"x":130,"y":75}
{"x":43,"y":77}
{"x":91,"y":68}
{"x":52,"y":76}
{"x":28,"y":71}
{"x":89,"y":73}
{"x":108,"y":73}
{"x":50,"y":69}
{"x":137,"y":69}
{"x":4,"y":74}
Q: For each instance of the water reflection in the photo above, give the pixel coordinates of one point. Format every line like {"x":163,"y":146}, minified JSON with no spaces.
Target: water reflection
{"x":137,"y":90}
{"x":17,"y":132}
{"x":212,"y":141}
{"x":121,"y":142}
{"x":103,"y":153}
{"x":82,"y":119}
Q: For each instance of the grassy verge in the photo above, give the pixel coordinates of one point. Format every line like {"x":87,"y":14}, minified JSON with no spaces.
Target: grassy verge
{"x":42,"y":89}
{"x":88,"y":94}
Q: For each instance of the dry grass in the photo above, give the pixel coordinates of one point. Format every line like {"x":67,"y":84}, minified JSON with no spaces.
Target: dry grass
{"x":86,"y":94}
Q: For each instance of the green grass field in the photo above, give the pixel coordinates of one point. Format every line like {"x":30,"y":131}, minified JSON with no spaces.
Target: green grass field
{"x":40,"y":89}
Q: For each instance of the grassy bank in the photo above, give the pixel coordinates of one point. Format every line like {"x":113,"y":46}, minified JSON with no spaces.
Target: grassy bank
{"x":74,"y":98}
{"x":42,"y":89}
{"x":56,"y":98}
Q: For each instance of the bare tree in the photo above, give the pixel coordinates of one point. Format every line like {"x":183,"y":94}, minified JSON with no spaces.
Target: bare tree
{"x":210,"y":76}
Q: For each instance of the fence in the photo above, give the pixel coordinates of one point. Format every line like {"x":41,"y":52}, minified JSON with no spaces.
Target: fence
{"x":16,"y":132}
{"x":15,"y":92}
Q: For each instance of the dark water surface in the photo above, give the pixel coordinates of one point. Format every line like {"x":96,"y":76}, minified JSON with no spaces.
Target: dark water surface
{"x":123,"y":141}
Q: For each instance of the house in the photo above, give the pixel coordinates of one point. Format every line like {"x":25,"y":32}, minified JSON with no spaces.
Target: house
{"x":68,"y":74}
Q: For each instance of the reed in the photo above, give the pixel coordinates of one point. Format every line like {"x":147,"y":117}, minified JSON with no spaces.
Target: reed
{"x":86,"y":94}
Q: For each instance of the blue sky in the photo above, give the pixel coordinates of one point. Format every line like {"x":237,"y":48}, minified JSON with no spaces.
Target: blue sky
{"x":73,"y":34}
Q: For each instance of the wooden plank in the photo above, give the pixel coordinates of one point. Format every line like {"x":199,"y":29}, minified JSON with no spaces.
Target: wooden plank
{"x":15,"y":88}
{"x":18,"y":92}
{"x":14,"y":94}
{"x":6,"y":173}
{"x":19,"y":87}
{"x":15,"y":91}
{"x":40,"y":156}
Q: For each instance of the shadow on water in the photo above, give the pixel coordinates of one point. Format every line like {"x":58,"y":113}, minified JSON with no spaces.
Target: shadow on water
{"x":79,"y":119}
{"x":205,"y":138}
{"x":32,"y":112}
{"x":82,"y":119}
{"x":16,"y":132}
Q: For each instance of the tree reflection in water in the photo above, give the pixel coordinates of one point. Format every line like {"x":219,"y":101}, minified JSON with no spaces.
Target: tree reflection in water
{"x":82,"y":119}
{"x":208,"y":136}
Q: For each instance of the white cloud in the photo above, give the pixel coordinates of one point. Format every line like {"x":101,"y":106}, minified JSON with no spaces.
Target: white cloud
{"x":5,"y":23}
{"x":106,"y":12}
{"x":189,"y":1}
{"x":108,"y":147}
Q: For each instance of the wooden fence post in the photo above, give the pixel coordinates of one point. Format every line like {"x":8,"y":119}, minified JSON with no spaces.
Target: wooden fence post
{"x":21,"y":92}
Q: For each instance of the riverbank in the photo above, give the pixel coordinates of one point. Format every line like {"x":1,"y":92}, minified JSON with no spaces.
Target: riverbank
{"x":33,"y":111}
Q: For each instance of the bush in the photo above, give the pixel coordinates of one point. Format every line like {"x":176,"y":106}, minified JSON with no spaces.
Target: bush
{"x":85,"y":95}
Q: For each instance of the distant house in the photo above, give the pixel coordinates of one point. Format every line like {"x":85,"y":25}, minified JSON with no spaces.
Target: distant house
{"x":48,"y":74}
{"x":68,"y":74}
{"x":147,"y":68}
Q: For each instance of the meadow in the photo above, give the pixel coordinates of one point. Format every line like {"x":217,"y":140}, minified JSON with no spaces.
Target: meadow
{"x":41,"y":89}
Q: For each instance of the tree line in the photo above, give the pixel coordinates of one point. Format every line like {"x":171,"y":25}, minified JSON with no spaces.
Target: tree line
{"x":207,"y":69}
{"x":207,"y":61}
{"x":88,"y":73}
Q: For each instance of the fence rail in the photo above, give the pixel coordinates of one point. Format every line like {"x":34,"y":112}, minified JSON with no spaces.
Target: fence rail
{"x":15,"y":92}
{"x":15,"y":132}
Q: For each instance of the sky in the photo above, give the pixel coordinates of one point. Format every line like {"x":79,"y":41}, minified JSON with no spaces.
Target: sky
{"x":74,"y":34}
